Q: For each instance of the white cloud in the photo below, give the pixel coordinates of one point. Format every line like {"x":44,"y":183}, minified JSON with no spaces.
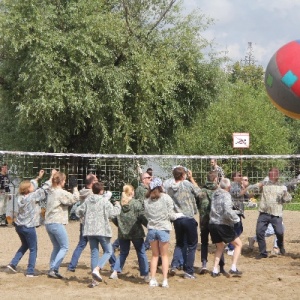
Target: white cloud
{"x":267,"y":24}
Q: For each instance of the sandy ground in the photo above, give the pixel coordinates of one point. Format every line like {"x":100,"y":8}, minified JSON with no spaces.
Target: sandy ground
{"x":273,"y":278}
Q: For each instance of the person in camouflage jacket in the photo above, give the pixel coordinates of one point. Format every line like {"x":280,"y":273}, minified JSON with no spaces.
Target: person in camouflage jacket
{"x":274,"y":194}
{"x":97,"y":212}
{"x":203,"y":204}
{"x":130,"y":229}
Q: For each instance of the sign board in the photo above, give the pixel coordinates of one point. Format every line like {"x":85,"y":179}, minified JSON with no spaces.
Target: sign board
{"x":241,"y":140}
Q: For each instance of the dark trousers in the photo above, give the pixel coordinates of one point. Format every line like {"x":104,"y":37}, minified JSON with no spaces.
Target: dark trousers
{"x":261,"y":226}
{"x":238,"y":229}
{"x":178,"y":254}
{"x":186,"y":229}
{"x":204,"y":235}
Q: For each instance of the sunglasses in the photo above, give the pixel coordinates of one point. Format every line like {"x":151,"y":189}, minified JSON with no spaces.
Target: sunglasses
{"x":147,"y":177}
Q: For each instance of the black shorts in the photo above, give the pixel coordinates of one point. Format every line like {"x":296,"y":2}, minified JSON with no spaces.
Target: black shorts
{"x":221,"y":233}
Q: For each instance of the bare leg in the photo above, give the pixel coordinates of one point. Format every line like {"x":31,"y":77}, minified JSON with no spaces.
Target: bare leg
{"x":164,"y":248}
{"x":218,"y":254}
{"x":237,"y":250}
{"x":154,"y":258}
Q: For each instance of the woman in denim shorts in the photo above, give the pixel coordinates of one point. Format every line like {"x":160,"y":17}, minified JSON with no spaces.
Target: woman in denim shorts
{"x":159,"y":210}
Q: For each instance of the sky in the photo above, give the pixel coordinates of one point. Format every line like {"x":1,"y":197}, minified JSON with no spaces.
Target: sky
{"x":266,"y":24}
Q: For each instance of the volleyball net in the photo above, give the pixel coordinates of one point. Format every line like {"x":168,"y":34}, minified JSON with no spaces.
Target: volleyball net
{"x":116,"y":170}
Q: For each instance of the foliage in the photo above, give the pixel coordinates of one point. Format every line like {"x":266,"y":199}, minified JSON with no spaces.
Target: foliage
{"x":240,"y":108}
{"x":248,"y":73}
{"x":101,"y":76}
{"x":296,"y":195}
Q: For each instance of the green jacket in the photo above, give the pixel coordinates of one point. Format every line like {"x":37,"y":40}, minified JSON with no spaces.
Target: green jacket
{"x":204,"y":201}
{"x":140,"y":192}
{"x":131,"y":220}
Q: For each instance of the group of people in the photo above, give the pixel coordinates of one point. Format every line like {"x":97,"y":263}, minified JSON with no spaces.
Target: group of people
{"x":156,"y":205}
{"x":30,"y":216}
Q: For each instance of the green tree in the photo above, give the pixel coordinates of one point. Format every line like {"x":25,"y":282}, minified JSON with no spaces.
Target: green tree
{"x":248,"y":73}
{"x":240,"y":108}
{"x":101,"y":75}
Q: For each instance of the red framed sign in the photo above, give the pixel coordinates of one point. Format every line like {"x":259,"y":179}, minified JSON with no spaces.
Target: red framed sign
{"x":241,"y":140}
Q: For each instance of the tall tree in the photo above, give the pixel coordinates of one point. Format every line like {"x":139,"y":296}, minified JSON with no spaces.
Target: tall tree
{"x":102,"y":75}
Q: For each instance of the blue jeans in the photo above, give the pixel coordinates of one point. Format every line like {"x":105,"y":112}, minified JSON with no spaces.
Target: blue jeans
{"x":178,"y":254}
{"x":147,"y":243}
{"x":116,"y":244}
{"x":139,"y":246}
{"x":28,"y":239}
{"x":83,"y":240}
{"x":186,"y":229}
{"x":106,"y":246}
{"x":158,"y":235}
{"x":59,"y":238}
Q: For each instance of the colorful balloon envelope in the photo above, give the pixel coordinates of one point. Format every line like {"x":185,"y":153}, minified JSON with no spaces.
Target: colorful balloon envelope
{"x":282,"y":79}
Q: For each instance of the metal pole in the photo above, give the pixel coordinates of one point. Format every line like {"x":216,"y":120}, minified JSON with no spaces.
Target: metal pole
{"x":241,"y":153}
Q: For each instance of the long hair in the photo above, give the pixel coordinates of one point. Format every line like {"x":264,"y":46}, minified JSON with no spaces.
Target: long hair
{"x":58,"y":178}
{"x":127,"y":194}
{"x":155,"y":193}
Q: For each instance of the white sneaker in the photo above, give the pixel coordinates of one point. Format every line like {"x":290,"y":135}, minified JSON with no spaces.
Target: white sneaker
{"x":230,"y":252}
{"x":114,"y":275}
{"x":96,"y":276}
{"x":165,"y":284}
{"x":153,"y":282}
{"x":251,"y":242}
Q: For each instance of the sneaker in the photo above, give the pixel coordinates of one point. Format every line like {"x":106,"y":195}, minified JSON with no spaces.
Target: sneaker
{"x":230,"y":252}
{"x":251,"y":242}
{"x":12,"y":268}
{"x":153,"y":283}
{"x":260,"y":256}
{"x":51,"y":274}
{"x":165,"y":284}
{"x":203,"y":271}
{"x":275,"y":251}
{"x":58,"y":276}
{"x":235,"y":273}
{"x":113,"y":276}
{"x":93,"y":284}
{"x":214,"y":275}
{"x":71,"y":270}
{"x":32,"y":275}
{"x":189,"y":276}
{"x":172,"y":271}
{"x":282,"y":251}
{"x":96,"y":275}
{"x":147,"y":278}
{"x":224,"y":273}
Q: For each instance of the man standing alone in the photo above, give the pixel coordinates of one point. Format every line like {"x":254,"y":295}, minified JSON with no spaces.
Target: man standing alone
{"x":273,"y":196}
